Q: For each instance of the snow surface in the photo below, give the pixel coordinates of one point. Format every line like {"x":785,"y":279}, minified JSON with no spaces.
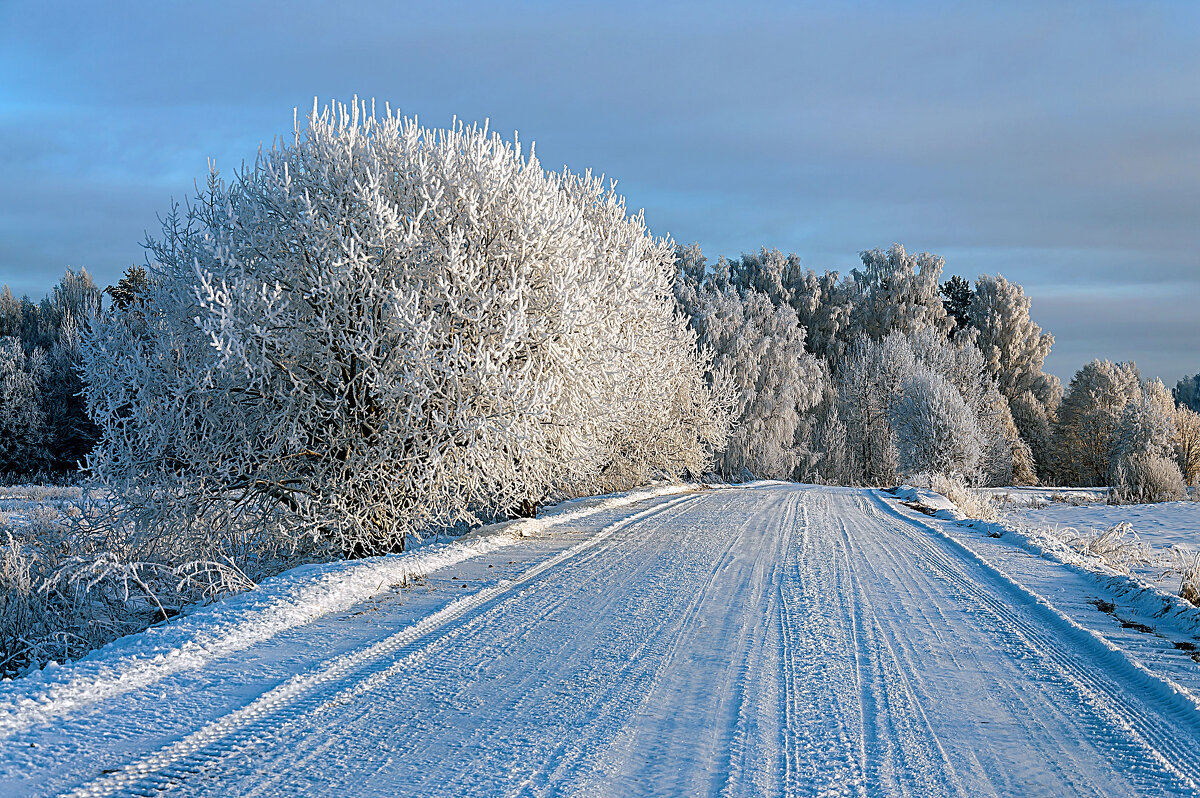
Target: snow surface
{"x":1165,"y":524}
{"x":770,"y":639}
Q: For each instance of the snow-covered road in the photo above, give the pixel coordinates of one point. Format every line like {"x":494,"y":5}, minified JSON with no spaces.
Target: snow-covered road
{"x":776,"y":639}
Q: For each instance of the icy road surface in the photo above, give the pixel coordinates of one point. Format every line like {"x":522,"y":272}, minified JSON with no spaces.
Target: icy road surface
{"x":771,"y":640}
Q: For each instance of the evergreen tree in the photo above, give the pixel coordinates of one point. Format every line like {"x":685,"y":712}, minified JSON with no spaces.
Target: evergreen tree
{"x":129,"y":290}
{"x":958,"y":296}
{"x":1187,"y":392}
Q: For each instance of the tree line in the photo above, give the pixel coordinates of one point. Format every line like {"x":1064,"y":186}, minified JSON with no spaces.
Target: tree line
{"x":887,"y":373}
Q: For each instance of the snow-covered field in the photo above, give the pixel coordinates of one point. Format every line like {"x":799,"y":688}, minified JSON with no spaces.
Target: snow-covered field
{"x":1155,"y":545}
{"x":770,"y":639}
{"x":1166,"y":524}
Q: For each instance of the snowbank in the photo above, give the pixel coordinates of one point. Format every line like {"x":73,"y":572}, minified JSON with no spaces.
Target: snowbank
{"x":929,"y":502}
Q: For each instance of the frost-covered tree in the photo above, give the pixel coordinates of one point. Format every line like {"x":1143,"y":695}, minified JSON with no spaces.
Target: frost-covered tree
{"x":1142,"y":467}
{"x":22,"y":420}
{"x":48,"y":335}
{"x":1005,"y":459}
{"x":1187,"y":443}
{"x":1010,"y":460}
{"x":74,"y":303}
{"x":831,"y":441}
{"x":877,"y":377}
{"x":936,"y":431}
{"x":1034,"y":422}
{"x":380,"y":327}
{"x":823,"y":304}
{"x":864,"y":406}
{"x":1015,"y":349}
{"x":758,"y":354}
{"x":1088,"y":419}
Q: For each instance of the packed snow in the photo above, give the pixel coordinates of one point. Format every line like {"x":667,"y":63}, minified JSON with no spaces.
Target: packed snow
{"x":772,"y":639}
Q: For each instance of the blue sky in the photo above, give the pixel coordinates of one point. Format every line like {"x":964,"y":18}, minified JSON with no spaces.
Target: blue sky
{"x":1055,"y":143}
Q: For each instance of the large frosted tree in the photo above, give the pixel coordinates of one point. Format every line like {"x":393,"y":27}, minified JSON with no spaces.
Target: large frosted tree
{"x":1088,"y":419}
{"x":897,"y":292}
{"x":1014,"y":349}
{"x":1142,"y":465}
{"x":380,"y":327}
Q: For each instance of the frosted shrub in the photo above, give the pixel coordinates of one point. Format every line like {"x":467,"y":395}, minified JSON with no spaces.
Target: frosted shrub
{"x":382,"y":327}
{"x":1143,"y":467}
{"x":1144,"y":479}
{"x":935,"y":429}
{"x":1118,"y":547}
{"x":1186,"y":563}
{"x":69,"y":582}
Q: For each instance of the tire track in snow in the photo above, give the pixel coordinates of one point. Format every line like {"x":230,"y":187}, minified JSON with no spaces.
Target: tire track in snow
{"x":824,"y":754}
{"x":623,"y":763}
{"x":913,"y":588}
{"x":1061,"y":746}
{"x":758,"y":745}
{"x":434,"y":674}
{"x":917,"y":763}
{"x":172,"y":765}
{"x":1164,"y":748}
{"x":601,"y":733}
{"x":774,"y":640}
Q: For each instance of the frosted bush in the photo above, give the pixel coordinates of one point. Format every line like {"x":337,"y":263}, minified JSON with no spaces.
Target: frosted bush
{"x":381,"y":327}
{"x":935,"y":429}
{"x":1118,"y":547}
{"x":1186,"y":564}
{"x":1144,"y":479}
{"x":70,"y":583}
